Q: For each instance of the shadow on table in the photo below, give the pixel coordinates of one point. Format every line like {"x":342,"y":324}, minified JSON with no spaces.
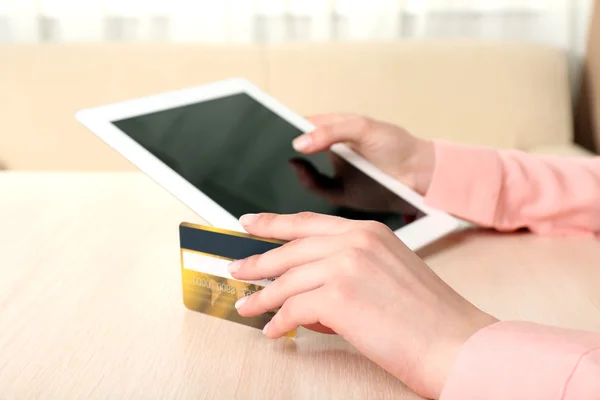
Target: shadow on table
{"x":446,"y":243}
{"x":327,"y":362}
{"x":458,"y":239}
{"x":332,"y":356}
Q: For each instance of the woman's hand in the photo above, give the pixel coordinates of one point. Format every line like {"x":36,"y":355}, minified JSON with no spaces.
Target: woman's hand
{"x":358,"y":279}
{"x":390,"y":148}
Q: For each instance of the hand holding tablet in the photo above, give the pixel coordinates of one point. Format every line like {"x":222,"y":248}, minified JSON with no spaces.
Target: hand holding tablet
{"x":225,"y":149}
{"x":388,"y":147}
{"x":358,"y":279}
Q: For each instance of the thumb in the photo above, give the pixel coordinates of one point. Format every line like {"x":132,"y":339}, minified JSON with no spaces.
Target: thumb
{"x":352,"y":130}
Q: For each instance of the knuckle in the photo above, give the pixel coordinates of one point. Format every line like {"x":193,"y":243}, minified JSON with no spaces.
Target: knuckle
{"x":303,"y":217}
{"x":367,"y":239}
{"x":265,"y":220}
{"x":377,"y":227}
{"x":264,"y":299}
{"x":292,"y":247}
{"x":251,"y":262}
{"x":285,"y":280}
{"x":352,"y":259}
{"x":321,"y":134}
{"x":339,"y":292}
{"x":364,"y":124}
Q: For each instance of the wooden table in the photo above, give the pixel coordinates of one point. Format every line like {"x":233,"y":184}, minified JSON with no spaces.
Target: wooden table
{"x":90,"y":300}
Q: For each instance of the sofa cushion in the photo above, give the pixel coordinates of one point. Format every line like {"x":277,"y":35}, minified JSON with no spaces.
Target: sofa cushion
{"x":497,"y":94}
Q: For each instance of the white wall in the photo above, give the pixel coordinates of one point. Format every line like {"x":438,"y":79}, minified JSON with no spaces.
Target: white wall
{"x":554,"y":21}
{"x":561,"y":23}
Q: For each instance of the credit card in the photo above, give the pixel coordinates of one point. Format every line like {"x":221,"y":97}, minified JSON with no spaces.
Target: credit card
{"x":207,"y":286}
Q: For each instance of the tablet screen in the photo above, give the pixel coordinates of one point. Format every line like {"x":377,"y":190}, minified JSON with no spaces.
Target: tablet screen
{"x":239,"y":153}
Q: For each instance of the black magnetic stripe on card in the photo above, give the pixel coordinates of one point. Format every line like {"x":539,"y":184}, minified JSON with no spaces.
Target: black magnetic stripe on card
{"x":221,"y":244}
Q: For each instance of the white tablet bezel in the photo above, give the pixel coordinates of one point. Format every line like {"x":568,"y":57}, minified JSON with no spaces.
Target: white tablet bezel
{"x":98,"y":120}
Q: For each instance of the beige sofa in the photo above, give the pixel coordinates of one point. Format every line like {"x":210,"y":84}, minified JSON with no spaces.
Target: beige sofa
{"x":494,"y":94}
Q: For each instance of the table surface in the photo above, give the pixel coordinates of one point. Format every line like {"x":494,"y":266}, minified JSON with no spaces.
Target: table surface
{"x":90,"y":300}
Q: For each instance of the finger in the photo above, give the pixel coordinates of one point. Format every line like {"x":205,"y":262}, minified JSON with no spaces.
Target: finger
{"x":274,"y":263}
{"x":294,"y":226}
{"x":295,"y":281}
{"x":304,"y":309}
{"x":350,"y":130}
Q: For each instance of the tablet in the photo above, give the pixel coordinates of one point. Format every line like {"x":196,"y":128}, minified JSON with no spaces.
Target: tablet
{"x":224,"y":149}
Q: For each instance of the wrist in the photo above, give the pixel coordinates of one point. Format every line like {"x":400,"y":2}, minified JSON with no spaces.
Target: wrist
{"x":448,"y":350}
{"x":420,"y":166}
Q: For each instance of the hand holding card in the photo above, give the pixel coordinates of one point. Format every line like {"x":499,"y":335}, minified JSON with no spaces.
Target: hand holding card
{"x":360,"y":280}
{"x":206,"y":253}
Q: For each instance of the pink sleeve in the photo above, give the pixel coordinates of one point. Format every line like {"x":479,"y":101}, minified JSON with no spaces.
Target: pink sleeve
{"x":522,"y":360}
{"x":508,"y":189}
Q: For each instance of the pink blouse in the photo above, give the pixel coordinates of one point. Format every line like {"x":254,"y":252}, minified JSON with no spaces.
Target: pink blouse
{"x":507,"y":190}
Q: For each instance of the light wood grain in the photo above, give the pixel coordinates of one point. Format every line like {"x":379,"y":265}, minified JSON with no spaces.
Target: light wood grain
{"x":90,"y":301}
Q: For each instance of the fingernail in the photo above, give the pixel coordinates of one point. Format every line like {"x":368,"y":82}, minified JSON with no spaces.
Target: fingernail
{"x":234,"y":266}
{"x":266,"y":328}
{"x":248,"y":219}
{"x":240,"y":302}
{"x":302,"y":142}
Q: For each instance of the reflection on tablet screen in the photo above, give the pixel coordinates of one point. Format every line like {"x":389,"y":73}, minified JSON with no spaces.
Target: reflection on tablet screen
{"x":239,"y":153}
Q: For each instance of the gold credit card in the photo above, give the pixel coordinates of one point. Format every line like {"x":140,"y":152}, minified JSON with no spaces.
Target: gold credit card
{"x":207,"y":285}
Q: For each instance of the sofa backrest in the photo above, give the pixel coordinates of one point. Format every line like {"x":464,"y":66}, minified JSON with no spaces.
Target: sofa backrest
{"x":481,"y":93}
{"x":44,"y":85}
{"x":501,"y":95}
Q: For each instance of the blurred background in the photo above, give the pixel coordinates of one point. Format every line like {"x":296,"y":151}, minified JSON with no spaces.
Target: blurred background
{"x":555,"y":21}
{"x":514,"y":82}
{"x":562,"y":23}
